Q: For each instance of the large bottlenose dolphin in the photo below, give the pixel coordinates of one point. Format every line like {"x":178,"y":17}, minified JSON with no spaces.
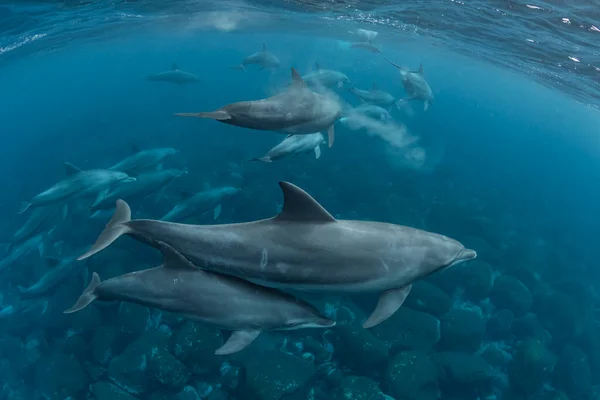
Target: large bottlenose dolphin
{"x":415,"y":85}
{"x":294,"y":145}
{"x":374,"y":96}
{"x":77,"y":184}
{"x":303,"y":248}
{"x":143,"y":160}
{"x":222,"y":300}
{"x":175,"y":75}
{"x":199,"y":203}
{"x":263,"y":58}
{"x":326,"y":77}
{"x":298,"y":110}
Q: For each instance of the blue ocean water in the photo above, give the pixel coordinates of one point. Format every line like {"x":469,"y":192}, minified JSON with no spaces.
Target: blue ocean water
{"x":504,"y":160}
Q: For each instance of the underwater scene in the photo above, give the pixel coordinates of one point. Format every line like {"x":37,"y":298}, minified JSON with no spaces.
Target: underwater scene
{"x":299,"y":200}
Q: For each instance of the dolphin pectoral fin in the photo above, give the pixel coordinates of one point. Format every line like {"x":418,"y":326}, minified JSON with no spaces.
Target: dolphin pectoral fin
{"x":238,"y":341}
{"x":217,"y":211}
{"x":70,"y":169}
{"x":318,"y":152}
{"x":24,"y":207}
{"x":87,"y":296}
{"x":115,"y":228}
{"x":389,"y":302}
{"x":100,"y":197}
{"x":425,"y":105}
{"x":216,"y":115}
{"x":263,"y":159}
{"x":300,"y":206}
{"x":331,"y":135}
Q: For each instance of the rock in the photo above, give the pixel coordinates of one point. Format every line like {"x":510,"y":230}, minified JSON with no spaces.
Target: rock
{"x":106,"y":343}
{"x":558,"y":313}
{"x":485,"y":251}
{"x":369,"y":354}
{"x":167,"y":370}
{"x":532,"y":365}
{"x":463,"y":375}
{"x":462,"y":330}
{"x":10,"y":347}
{"x":107,"y":391}
{"x":195,"y":347}
{"x":412,"y":376}
{"x":572,"y":374}
{"x":530,"y":327}
{"x":497,"y":354}
{"x":132,"y":319}
{"x":276,"y":374}
{"x":74,"y":345}
{"x":187,"y":393}
{"x":230,"y":376}
{"x":500,"y":324}
{"x":548,"y":395}
{"x":358,"y":388}
{"x":409,"y":330}
{"x":217,"y":394}
{"x":94,"y":371}
{"x":427,"y":297}
{"x":58,"y":376}
{"x":87,"y":321}
{"x":509,"y":293}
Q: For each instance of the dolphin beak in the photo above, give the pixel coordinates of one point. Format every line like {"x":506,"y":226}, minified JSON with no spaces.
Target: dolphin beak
{"x":466,"y":255}
{"x":129,"y":179}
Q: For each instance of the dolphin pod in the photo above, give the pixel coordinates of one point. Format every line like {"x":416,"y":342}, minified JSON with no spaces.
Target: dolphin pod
{"x":303,"y":248}
{"x":221,"y":300}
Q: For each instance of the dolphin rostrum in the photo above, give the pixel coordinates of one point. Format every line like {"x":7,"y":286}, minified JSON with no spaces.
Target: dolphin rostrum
{"x":222,"y":300}
{"x":415,"y":85}
{"x":297,"y":110}
{"x":304,"y":248}
{"x":294,"y":145}
{"x":175,"y":75}
{"x":144,"y":160}
{"x":263,"y":58}
{"x":199,"y":203}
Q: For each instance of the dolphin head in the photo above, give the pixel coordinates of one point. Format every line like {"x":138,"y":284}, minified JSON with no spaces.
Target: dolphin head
{"x":464,"y":255}
{"x":230,"y":191}
{"x":123,"y":177}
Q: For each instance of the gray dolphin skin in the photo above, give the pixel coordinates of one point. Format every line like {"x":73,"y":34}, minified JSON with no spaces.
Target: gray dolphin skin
{"x":372,"y":111}
{"x":326,"y":77}
{"x":77,"y":184}
{"x":303,"y":248}
{"x":374,"y":96}
{"x":143,"y":160}
{"x":294,"y":145}
{"x":39,"y":218}
{"x":415,"y":85}
{"x":175,"y":75}
{"x":199,"y":203}
{"x":144,"y":185}
{"x":298,"y":110}
{"x":263,"y":58}
{"x":221,"y":300}
{"x":58,"y":272}
{"x":366,"y":46}
{"x":19,"y":251}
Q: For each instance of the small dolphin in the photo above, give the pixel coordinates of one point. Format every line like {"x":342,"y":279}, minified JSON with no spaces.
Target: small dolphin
{"x":77,"y":184}
{"x":373,"y":111}
{"x":298,"y":110}
{"x":294,"y":145}
{"x":39,"y":218}
{"x":221,"y":300}
{"x":175,"y":75}
{"x":366,"y":46}
{"x":17,"y":252}
{"x":58,"y":272}
{"x":326,"y":78}
{"x":374,"y":96}
{"x":199,"y":203}
{"x":263,"y":58}
{"x":415,"y":85}
{"x":144,"y":160}
{"x":303,"y":248}
{"x":144,"y":185}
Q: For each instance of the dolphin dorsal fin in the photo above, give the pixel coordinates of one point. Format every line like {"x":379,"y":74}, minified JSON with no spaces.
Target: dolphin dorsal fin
{"x":172,"y":259}
{"x":420,"y":69}
{"x":317,"y":66}
{"x":300,"y":206}
{"x":70,"y":169}
{"x":297,"y":79}
{"x":174,"y":67}
{"x":264,"y":48}
{"x":374,"y":86}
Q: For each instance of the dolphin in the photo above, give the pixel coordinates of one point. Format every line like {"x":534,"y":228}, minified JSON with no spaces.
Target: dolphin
{"x":372,"y":111}
{"x":144,"y":160}
{"x":39,"y":218}
{"x":77,"y":184}
{"x":303,"y":248}
{"x":17,"y":252}
{"x":366,"y":46}
{"x":374,"y":96}
{"x":199,"y":203}
{"x":326,"y":77}
{"x":209,"y":297}
{"x":415,"y":85}
{"x":175,"y":75}
{"x":262,"y":58}
{"x":58,"y":272}
{"x":294,"y":145}
{"x":298,"y":110}
{"x":144,"y":185}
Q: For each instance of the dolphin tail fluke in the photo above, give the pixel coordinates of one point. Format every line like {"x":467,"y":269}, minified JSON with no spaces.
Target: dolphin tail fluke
{"x":389,"y":302}
{"x":24,"y":207}
{"x":318,"y":152}
{"x":238,"y":341}
{"x":216,"y":115}
{"x":87,"y":297}
{"x":115,"y":228}
{"x":331,"y":135}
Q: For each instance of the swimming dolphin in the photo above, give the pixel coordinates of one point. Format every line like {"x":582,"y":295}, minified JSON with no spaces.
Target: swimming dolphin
{"x":304,"y":248}
{"x":77,"y":184}
{"x":222,"y":300}
{"x":175,"y":75}
{"x":40,"y":218}
{"x":144,"y":160}
{"x":374,"y":96}
{"x":372,"y":111}
{"x":39,"y":242}
{"x":326,"y":78}
{"x":366,"y":46}
{"x":199,"y":203}
{"x":415,"y":85}
{"x":298,"y":110}
{"x":263,"y":58}
{"x":144,"y":185}
{"x":294,"y":145}
{"x":57,"y":273}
